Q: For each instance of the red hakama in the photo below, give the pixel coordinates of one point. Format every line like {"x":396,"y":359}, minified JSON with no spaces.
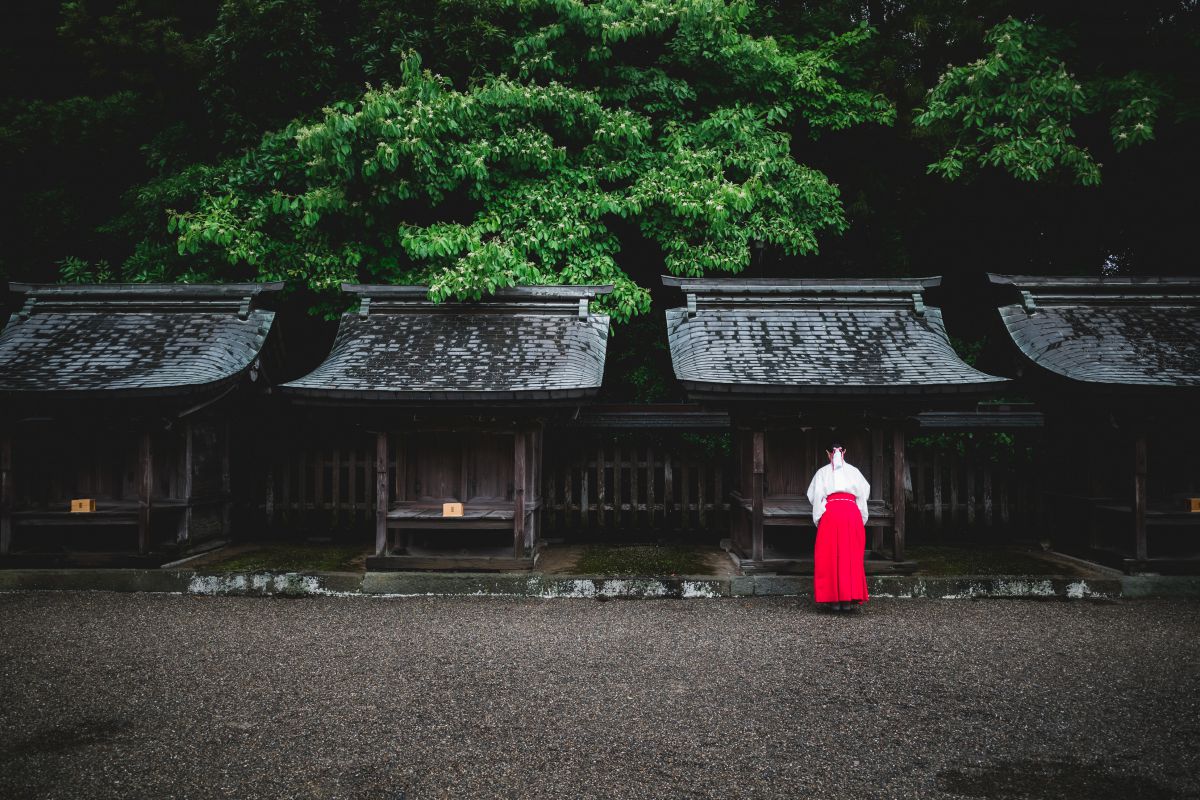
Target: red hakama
{"x":838,"y":574}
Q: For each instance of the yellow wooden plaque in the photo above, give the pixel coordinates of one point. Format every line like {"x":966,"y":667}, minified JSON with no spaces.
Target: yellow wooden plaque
{"x":83,"y":505}
{"x":452,"y":509}
{"x":1195,"y":501}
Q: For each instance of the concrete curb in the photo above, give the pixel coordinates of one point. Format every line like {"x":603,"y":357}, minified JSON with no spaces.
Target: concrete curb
{"x":1160,"y":586}
{"x":406,"y":584}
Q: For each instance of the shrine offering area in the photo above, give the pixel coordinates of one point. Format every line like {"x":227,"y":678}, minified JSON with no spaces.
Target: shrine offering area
{"x":150,"y":696}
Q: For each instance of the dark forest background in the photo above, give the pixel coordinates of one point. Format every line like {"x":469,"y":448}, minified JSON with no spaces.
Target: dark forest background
{"x":118,"y":114}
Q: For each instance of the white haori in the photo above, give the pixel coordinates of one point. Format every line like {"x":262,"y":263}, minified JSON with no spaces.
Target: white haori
{"x":845,"y":478}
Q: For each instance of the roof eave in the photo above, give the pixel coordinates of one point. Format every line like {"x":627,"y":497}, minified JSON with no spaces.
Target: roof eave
{"x":792,"y":391}
{"x":408,"y":397}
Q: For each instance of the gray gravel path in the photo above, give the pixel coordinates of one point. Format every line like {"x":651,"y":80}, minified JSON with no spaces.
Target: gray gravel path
{"x":159,"y":696}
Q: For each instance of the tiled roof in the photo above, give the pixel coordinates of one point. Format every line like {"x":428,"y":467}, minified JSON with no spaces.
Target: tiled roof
{"x":131,"y":339}
{"x":814,"y":337}
{"x":1111,"y":331}
{"x":533,"y":343}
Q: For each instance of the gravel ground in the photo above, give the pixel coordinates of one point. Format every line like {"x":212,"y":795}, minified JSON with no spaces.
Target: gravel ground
{"x":160,"y":696}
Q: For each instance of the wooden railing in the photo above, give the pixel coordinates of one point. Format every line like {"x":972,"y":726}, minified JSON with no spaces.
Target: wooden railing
{"x":322,"y":484}
{"x":954,"y":492}
{"x":597,"y":483}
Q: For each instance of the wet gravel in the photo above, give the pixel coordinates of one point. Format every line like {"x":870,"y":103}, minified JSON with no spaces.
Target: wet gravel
{"x":160,"y":696}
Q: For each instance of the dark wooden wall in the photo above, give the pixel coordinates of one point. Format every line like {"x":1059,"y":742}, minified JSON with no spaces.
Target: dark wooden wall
{"x":953,"y":494}
{"x":607,"y":485}
{"x":53,"y":464}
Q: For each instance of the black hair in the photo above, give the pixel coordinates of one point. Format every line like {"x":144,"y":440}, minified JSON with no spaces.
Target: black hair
{"x":835,"y":442}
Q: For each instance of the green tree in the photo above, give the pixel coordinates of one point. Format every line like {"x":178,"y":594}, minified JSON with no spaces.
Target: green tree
{"x":1017,"y":107}
{"x":673,"y":115}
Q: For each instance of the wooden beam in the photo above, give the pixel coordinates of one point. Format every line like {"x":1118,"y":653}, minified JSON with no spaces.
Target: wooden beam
{"x":634,"y":458}
{"x":584,"y":517}
{"x":352,"y":476}
{"x":685,"y":500}
{"x":1139,"y":495}
{"x":319,"y":495}
{"x":987,"y":495}
{"x":651,"y":474}
{"x":954,"y":465}
{"x":145,"y":490}
{"x":185,"y":519}
{"x":668,"y":487}
{"x":898,"y":499}
{"x":937,"y":489}
{"x":7,"y":490}
{"x":381,"y":492}
{"x":877,"y":481}
{"x":226,"y":483}
{"x":618,"y":521}
{"x":401,"y":486}
{"x":600,"y":498}
{"x":535,"y":483}
{"x":269,"y":500}
{"x":518,"y":494}
{"x":756,"y":509}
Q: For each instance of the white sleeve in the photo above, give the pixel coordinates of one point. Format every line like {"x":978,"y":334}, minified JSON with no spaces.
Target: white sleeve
{"x":862,"y":490}
{"x":816,"y":496}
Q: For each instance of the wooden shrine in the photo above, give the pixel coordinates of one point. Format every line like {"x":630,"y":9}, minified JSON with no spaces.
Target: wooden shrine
{"x":118,"y":396}
{"x":793,"y":361}
{"x":1115,"y":363}
{"x":456,"y":395}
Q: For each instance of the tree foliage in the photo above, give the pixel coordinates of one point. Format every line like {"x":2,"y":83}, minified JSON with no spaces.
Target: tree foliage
{"x":518,"y":178}
{"x":1014,"y":108}
{"x":154,"y":140}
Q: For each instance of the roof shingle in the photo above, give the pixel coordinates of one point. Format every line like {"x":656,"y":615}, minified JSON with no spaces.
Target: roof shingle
{"x":534,"y":343}
{"x":1112,"y":331}
{"x":816,"y":337}
{"x":131,"y":339}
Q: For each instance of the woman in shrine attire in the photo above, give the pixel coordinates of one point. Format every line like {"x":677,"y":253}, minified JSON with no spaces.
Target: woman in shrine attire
{"x":838,"y":494}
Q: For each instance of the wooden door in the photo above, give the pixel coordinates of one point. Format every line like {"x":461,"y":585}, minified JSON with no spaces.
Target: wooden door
{"x":489,"y":466}
{"x":435,"y":467}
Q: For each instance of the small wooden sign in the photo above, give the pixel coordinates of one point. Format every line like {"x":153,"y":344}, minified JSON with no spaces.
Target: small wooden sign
{"x":452,"y":509}
{"x":1195,"y":503}
{"x":83,"y":506}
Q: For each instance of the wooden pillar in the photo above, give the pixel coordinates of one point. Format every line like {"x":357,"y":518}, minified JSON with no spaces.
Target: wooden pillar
{"x":668,"y":488}
{"x":7,"y":490}
{"x":226,"y":484}
{"x":618,"y":521}
{"x":400,"y":490}
{"x":1139,"y":495}
{"x":600,"y":522}
{"x":877,"y":482}
{"x":185,"y":518}
{"x":756,"y":510}
{"x":519,"y":494}
{"x":381,"y":492}
{"x":535,"y":485}
{"x":145,"y":490}
{"x":898,"y":499}
{"x":401,"y":485}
